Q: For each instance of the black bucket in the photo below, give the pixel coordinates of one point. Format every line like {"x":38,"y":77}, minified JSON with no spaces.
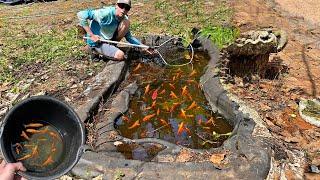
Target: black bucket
{"x":58,"y":115}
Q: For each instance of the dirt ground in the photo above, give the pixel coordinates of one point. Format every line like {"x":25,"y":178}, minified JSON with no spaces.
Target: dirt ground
{"x":277,"y":100}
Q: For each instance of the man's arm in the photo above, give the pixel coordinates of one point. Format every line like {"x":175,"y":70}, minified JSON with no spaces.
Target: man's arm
{"x":83,"y":17}
{"x":132,"y":39}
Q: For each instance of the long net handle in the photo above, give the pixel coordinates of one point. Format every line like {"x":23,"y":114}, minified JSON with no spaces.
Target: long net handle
{"x":155,"y":49}
{"x":122,"y":43}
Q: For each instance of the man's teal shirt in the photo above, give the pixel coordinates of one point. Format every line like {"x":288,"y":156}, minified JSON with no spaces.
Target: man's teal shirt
{"x":103,"y":22}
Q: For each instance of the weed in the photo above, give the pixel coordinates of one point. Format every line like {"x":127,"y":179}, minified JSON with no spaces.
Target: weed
{"x":220,"y":35}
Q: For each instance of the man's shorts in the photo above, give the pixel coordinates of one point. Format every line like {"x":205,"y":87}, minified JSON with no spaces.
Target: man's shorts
{"x":106,"y":49}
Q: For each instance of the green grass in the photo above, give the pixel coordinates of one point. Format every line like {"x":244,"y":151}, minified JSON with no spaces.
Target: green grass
{"x":52,"y":47}
{"x":220,"y":35}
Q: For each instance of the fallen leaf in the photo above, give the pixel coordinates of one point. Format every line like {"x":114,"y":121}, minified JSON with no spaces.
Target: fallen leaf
{"x":217,"y":159}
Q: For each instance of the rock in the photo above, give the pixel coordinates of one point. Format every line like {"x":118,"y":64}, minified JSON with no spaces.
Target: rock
{"x":309,"y":110}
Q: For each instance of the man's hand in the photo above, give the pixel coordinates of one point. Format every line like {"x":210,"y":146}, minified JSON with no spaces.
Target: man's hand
{"x":7,"y":170}
{"x":95,"y":38}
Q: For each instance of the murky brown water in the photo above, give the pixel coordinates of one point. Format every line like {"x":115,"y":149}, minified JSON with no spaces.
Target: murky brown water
{"x":40,"y":148}
{"x":170,"y":105}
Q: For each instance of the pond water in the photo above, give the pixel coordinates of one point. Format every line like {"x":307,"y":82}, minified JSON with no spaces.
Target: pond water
{"x":39,"y":148}
{"x":170,"y":105}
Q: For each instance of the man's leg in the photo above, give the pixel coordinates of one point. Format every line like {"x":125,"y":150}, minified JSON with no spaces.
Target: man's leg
{"x":110,"y":51}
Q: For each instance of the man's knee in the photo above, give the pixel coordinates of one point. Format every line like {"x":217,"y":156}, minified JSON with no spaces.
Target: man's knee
{"x":119,"y":55}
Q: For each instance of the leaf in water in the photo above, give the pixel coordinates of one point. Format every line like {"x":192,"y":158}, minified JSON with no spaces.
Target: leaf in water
{"x":217,"y":159}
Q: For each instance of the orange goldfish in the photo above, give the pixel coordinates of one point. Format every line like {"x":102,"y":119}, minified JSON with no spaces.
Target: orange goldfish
{"x":173,"y":95}
{"x":184,"y":90}
{"x":191,"y":81}
{"x":164,"y":122}
{"x":125,"y":118}
{"x":33,"y":131}
{"x":55,"y":135}
{"x":172,"y":86}
{"x":162,"y":92}
{"x":24,"y":157}
{"x":193,"y":105}
{"x":137,"y":67}
{"x":183,"y":114}
{"x":174,"y":106}
{"x":188,"y":131}
{"x":193,"y":73}
{"x":35,"y":151}
{"x":166,"y":107}
{"x":147,"y":89}
{"x":148,"y":117}
{"x":181,"y":128}
{"x":178,"y":74}
{"x":134,"y":125}
{"x":210,"y":121}
{"x":33,"y":125}
{"x":190,"y":115}
{"x":158,"y":112}
{"x":48,"y":161}
{"x":189,"y":96}
{"x":154,"y":103}
{"x":173,"y":78}
{"x":23,"y":134}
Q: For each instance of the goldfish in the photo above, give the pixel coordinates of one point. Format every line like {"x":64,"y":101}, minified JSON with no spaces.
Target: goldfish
{"x":147,"y":89}
{"x":178,"y":74}
{"x":154,"y":103}
{"x":166,"y":107}
{"x":18,"y":147}
{"x":183,"y":114}
{"x":191,"y":81}
{"x":33,"y":125}
{"x":189,"y":96}
{"x":35,"y":151}
{"x":188,"y":131}
{"x":125,"y":118}
{"x":48,"y":161}
{"x":154,"y":94}
{"x":180,"y":129}
{"x":134,"y":125}
{"x":164,"y":122}
{"x":174,"y":106}
{"x":190,"y":115}
{"x":173,"y":78}
{"x":148,"y":117}
{"x":162,"y":92}
{"x":143,"y":134}
{"x":210,"y":121}
{"x":184,"y":90}
{"x":24,"y":157}
{"x":193,"y":105}
{"x":55,"y":135}
{"x":172,"y":86}
{"x":33,"y":131}
{"x":23,"y":134}
{"x":193,"y":73}
{"x":173,"y":95}
{"x":158,"y":112}
{"x":137,"y":67}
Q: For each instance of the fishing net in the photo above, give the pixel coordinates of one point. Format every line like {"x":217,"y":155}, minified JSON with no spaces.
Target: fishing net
{"x":175,"y":52}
